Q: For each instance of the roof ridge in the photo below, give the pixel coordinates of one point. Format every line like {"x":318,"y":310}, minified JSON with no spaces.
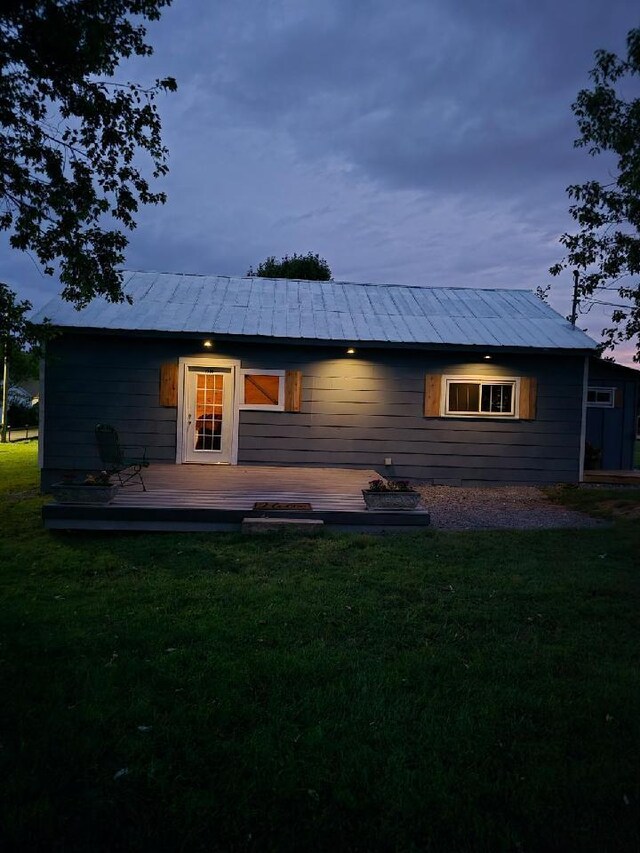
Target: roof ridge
{"x":336,"y":281}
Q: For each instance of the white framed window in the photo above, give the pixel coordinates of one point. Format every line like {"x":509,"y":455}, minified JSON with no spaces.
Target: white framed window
{"x":480,"y":397}
{"x":602,"y":398}
{"x":262,"y":390}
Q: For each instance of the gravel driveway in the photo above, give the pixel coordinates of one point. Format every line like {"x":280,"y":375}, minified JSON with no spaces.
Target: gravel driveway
{"x":498,"y":508}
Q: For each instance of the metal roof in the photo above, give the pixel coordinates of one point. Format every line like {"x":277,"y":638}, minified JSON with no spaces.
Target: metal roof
{"x":325,"y":311}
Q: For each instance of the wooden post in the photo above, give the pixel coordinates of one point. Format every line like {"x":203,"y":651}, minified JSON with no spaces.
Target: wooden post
{"x":5,"y":391}
{"x":574,"y":304}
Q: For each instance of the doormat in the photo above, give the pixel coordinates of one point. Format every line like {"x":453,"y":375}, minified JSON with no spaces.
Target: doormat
{"x":282,"y":505}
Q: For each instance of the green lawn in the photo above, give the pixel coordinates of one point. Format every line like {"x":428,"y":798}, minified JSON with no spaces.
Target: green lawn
{"x":437,"y":692}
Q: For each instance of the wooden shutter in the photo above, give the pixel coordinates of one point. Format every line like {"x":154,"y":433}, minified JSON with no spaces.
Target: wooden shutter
{"x":261,"y":389}
{"x":528,"y":398}
{"x":618,"y":398}
{"x":432,"y":394}
{"x":292,"y":390}
{"x":169,"y":384}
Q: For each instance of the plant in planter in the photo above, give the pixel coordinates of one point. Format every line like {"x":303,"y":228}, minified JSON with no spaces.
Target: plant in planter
{"x":390,"y":494}
{"x":94,"y":489}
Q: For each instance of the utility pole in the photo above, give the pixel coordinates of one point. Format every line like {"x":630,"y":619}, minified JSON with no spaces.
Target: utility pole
{"x":5,"y":391}
{"x":574,"y":306}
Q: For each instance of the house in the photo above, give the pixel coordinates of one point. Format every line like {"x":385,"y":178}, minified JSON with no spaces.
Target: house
{"x":16,"y":396}
{"x":25,"y":395}
{"x":613,"y":415}
{"x":450,"y":385}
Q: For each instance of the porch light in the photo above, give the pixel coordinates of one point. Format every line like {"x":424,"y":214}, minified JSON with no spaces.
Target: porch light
{"x":208,"y":344}
{"x":351,"y":351}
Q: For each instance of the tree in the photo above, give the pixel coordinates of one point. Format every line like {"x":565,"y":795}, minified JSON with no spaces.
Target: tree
{"x":69,"y":139}
{"x":25,"y":365}
{"x":307,"y":267}
{"x":16,"y":333}
{"x":606,"y":249}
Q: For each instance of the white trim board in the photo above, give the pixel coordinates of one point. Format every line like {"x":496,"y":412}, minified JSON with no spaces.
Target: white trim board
{"x":244,"y":371}
{"x":41,"y":404}
{"x":583,"y":425}
{"x":184,"y":364}
{"x":485,"y":380}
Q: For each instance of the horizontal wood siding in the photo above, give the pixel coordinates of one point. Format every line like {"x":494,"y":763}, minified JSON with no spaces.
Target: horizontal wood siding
{"x":354,"y":411}
{"x":106,"y":380}
{"x":613,"y":430}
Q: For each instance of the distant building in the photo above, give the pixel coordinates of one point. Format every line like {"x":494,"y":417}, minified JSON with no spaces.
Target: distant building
{"x":26,"y":394}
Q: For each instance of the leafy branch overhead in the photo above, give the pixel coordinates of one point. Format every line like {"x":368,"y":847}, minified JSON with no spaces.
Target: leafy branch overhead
{"x":607,"y":247}
{"x":69,"y":139}
{"x":17,"y":332}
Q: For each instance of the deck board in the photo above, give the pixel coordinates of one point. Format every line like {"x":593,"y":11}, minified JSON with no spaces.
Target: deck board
{"x":629,"y":478}
{"x":216,"y":478}
{"x":206,"y":497}
{"x":233,"y":487}
{"x":230,"y":499}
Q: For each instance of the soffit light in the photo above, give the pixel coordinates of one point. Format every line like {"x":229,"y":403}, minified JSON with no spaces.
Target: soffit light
{"x":208,"y":344}
{"x":487,"y":357}
{"x":351,"y":351}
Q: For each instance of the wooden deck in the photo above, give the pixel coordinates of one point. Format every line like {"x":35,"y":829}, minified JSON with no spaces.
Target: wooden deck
{"x":212,"y":497}
{"x":617,"y":478}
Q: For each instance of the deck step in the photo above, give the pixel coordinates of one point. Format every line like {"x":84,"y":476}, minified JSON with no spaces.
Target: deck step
{"x":308,"y":526}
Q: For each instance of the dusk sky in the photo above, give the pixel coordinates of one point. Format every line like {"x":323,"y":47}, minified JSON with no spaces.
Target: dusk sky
{"x":425,"y":143}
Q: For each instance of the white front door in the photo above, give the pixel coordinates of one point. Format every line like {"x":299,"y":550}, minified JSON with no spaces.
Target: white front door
{"x":208,"y":414}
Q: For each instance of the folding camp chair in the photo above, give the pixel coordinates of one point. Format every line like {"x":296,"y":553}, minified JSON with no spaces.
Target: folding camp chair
{"x":118,"y":459}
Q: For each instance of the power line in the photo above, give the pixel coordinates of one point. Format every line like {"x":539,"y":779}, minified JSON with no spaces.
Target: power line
{"x":610,"y":304}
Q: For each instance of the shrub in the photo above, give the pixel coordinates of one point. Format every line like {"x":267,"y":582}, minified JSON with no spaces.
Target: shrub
{"x":19,"y":416}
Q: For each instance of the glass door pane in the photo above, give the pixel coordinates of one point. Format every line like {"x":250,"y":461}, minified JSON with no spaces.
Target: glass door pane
{"x":209,"y":411}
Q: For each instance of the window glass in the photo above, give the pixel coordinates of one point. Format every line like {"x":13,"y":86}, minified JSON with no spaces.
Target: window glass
{"x":481,"y":398}
{"x":497,"y":398}
{"x":208,"y":432}
{"x":464,"y":396}
{"x":600,"y":396}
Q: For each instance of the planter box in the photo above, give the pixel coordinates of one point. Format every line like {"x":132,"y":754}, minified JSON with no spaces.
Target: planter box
{"x":79,"y":493}
{"x":391,"y":500}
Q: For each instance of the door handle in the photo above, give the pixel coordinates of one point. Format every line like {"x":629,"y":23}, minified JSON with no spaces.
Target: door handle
{"x":189,"y":419}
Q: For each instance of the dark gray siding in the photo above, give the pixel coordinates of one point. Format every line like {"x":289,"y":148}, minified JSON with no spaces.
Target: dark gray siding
{"x":613,"y":431}
{"x":355,"y":410}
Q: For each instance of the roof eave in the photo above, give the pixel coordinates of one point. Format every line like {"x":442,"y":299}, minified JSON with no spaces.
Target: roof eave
{"x":323,"y":342}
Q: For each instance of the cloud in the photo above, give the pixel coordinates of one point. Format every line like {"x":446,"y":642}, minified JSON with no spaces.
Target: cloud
{"x":436,"y":96}
{"x":421,"y":142}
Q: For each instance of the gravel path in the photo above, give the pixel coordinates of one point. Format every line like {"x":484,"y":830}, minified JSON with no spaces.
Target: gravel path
{"x":498,"y":508}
